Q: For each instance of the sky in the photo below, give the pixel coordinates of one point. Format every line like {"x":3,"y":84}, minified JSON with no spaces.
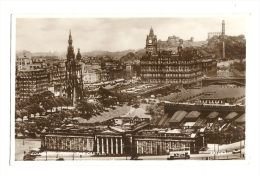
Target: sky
{"x":114,"y":34}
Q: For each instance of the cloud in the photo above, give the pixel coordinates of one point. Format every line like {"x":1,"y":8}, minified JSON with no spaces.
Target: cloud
{"x":113,"y":34}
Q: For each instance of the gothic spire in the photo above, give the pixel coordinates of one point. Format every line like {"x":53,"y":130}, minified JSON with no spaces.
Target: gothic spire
{"x":70,"y":39}
{"x":151,"y":32}
{"x":70,"y":51}
{"x":78,"y":55}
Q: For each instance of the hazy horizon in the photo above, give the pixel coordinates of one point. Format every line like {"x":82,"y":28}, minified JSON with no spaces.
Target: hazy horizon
{"x":114,"y":34}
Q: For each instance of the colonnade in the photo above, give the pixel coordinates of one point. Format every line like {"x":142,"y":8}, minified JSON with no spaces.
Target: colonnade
{"x":158,"y":147}
{"x":110,"y":145}
{"x":64,"y":143}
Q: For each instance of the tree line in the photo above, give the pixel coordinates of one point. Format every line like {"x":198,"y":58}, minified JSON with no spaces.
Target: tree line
{"x":40,"y":103}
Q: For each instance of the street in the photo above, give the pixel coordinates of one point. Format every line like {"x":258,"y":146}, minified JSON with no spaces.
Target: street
{"x":70,"y":156}
{"x":23,"y":145}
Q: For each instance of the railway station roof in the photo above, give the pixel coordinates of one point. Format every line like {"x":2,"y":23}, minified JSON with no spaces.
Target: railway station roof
{"x":178,"y":116}
{"x":240,"y":119}
{"x":212,"y":115}
{"x":193,"y":114}
{"x":231,"y":115}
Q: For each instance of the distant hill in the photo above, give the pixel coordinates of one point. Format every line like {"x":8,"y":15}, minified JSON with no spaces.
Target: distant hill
{"x":115,"y":55}
{"x":140,"y":52}
{"x":130,"y":57}
{"x":235,"y":47}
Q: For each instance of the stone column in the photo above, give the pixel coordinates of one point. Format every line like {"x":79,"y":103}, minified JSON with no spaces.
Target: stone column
{"x":97,"y":144}
{"x":107,"y":144}
{"x":70,"y":144}
{"x":102,"y":145}
{"x":65,"y":143}
{"x":83,"y":144}
{"x":142,"y":146}
{"x":112,"y":146}
{"x":116,"y":147}
{"x":136,"y":147}
{"x":151,"y":147}
{"x":121,"y":145}
{"x":156,"y":147}
{"x":161,"y":147}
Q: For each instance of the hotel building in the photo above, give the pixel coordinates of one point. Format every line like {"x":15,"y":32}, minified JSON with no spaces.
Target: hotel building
{"x":163,"y":67}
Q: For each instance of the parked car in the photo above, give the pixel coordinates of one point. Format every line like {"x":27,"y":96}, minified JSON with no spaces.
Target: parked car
{"x":203,"y":149}
{"x":60,"y":159}
{"x":236,"y":151}
{"x":135,"y":158}
{"x":29,"y":157}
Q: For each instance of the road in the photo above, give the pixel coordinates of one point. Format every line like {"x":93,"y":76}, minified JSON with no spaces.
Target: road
{"x":22,"y":146}
{"x":52,"y":156}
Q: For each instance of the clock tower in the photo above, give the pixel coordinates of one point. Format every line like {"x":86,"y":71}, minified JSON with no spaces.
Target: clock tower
{"x":151,"y":43}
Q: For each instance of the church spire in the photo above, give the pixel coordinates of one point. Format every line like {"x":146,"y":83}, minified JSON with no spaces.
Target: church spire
{"x":70,"y":39}
{"x":70,"y":51}
{"x":78,"y":55}
{"x":151,"y":32}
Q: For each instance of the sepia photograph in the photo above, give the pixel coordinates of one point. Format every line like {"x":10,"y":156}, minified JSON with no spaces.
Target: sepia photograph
{"x":129,"y":88}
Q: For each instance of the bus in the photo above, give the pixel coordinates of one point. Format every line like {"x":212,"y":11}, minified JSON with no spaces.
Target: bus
{"x":179,"y":153}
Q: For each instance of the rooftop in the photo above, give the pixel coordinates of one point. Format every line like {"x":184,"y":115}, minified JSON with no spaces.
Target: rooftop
{"x":193,"y":114}
{"x":178,"y":116}
{"x":240,"y":119}
{"x":231,"y":115}
{"x":212,"y":115}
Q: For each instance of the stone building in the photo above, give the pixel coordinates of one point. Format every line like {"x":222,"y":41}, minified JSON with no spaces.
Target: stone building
{"x":163,"y":67}
{"x":29,"y":82}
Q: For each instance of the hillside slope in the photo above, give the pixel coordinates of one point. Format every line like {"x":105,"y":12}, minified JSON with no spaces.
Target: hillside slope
{"x":235,"y":47}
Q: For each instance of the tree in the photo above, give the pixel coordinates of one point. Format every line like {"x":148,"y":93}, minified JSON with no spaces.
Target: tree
{"x":60,"y":102}
{"x":75,"y":113}
{"x":85,"y":92}
{"x":150,"y":109}
{"x":106,"y":102}
{"x":136,"y":103}
{"x":46,"y":106}
{"x":85,"y":107}
{"x":31,"y":109}
{"x":23,"y":112}
{"x":67,"y":102}
{"x":47,"y":95}
{"x":18,"y":114}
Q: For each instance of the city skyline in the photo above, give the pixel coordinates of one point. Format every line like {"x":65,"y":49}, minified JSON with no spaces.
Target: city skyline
{"x":114,"y":34}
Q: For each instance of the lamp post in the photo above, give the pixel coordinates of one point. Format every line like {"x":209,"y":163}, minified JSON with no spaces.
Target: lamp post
{"x":214,"y":152}
{"x":240,"y":149}
{"x":125,"y":154}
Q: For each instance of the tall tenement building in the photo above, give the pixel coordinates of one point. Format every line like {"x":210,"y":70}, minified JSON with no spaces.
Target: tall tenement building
{"x":74,"y":81}
{"x":165,"y":67}
{"x":29,"y":82}
{"x":57,"y":77}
